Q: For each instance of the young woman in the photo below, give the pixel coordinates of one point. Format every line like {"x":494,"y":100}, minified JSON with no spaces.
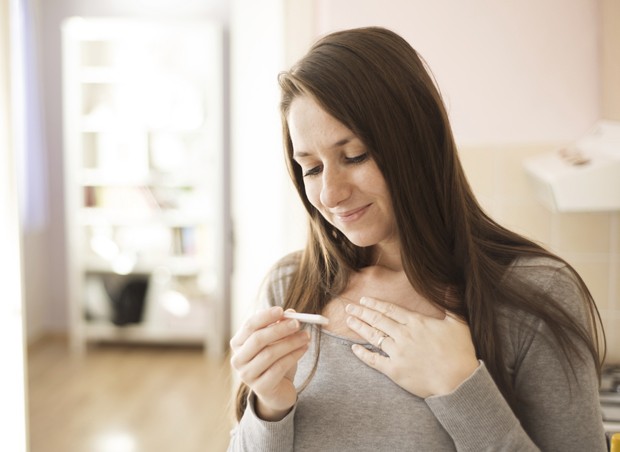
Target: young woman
{"x":446,"y":331}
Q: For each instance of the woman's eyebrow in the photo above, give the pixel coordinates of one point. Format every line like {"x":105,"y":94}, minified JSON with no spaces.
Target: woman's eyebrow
{"x":342,"y":142}
{"x":300,"y":154}
{"x":337,"y":144}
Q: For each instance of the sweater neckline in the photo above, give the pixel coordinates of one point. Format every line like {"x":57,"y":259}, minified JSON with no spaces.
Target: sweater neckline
{"x":340,"y":338}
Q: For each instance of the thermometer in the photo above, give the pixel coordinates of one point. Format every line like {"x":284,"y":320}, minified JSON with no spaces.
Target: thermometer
{"x":307,"y":318}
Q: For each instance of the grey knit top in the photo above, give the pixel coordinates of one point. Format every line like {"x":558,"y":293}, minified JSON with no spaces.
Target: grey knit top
{"x":348,"y":406}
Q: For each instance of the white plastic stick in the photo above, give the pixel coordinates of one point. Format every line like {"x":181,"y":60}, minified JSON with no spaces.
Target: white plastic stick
{"x":307,"y":318}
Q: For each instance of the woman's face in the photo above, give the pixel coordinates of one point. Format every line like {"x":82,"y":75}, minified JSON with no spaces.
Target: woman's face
{"x":341,"y":180}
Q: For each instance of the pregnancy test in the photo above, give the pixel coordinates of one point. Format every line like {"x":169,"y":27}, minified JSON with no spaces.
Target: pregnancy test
{"x":307,"y":318}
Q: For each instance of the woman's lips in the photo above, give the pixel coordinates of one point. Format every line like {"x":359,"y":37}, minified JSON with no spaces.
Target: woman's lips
{"x":351,"y":215}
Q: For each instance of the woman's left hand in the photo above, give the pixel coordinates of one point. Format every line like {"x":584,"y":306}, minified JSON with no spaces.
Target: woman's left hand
{"x":425,"y":355}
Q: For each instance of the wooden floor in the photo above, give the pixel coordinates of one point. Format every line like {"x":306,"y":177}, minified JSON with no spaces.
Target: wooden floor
{"x":127,"y":399}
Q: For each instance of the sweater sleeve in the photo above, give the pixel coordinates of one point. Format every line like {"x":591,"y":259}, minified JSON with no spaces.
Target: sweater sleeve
{"x":256,"y":435}
{"x":558,"y":399}
{"x":557,"y":405}
{"x":478,"y":418}
{"x":253,"y":433}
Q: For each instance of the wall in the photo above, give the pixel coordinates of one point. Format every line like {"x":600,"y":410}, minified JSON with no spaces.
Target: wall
{"x":13,"y":409}
{"x":509,"y":71}
{"x":519,"y":78}
{"x":589,"y":241}
{"x":256,"y":164}
{"x":610,"y":51}
{"x":268,"y":223}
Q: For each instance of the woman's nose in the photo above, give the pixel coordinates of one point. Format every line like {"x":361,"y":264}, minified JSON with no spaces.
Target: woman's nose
{"x":335,"y":187}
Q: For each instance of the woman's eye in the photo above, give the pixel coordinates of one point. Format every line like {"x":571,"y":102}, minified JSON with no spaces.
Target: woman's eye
{"x":312,"y":171}
{"x":357,"y":159}
{"x":316,"y":170}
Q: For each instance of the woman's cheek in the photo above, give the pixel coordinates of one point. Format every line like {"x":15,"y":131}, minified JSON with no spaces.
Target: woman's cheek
{"x":314,"y":195}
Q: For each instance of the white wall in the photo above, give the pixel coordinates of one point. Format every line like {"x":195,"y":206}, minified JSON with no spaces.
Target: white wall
{"x":511,"y":71}
{"x":267,"y":220}
{"x":13,"y":409}
{"x":31,"y":166}
{"x":610,"y":59}
{"x":257,"y":35}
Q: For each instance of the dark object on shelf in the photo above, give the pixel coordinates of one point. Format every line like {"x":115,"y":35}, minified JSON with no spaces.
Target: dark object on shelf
{"x":610,"y":379}
{"x":609,"y":393}
{"x":128,"y":301}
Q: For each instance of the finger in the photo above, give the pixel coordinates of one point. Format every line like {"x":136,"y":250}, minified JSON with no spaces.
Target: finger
{"x":259,"y":320}
{"x":399,"y":314}
{"x":371,"y":334}
{"x":372,"y":359}
{"x":278,"y":369}
{"x":262,"y":338}
{"x":386,"y":345}
{"x":375,"y":319}
{"x":390,"y":310}
{"x":273,"y":353}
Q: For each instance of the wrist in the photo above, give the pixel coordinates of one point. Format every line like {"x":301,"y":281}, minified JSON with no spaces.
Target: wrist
{"x":458,"y":378}
{"x":267,"y":413}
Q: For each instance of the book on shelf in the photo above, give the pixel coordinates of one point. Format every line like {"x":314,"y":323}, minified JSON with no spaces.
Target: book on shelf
{"x":183,"y":241}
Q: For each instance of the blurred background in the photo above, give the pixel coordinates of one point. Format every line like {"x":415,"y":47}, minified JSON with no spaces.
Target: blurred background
{"x":144,"y":179}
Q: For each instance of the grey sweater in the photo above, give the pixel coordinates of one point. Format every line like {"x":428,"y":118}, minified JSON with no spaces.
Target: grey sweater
{"x":348,"y":406}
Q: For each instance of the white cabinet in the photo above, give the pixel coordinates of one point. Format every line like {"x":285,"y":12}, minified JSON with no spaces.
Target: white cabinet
{"x":146,"y":217}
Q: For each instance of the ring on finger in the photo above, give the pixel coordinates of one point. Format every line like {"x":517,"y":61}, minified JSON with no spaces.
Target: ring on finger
{"x":380,"y":341}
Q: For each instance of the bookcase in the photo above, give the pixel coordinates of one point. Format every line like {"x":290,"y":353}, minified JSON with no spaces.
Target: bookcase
{"x":145,"y":182}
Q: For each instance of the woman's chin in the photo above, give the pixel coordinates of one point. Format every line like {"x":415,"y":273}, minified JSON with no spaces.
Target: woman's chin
{"x":362,"y":242}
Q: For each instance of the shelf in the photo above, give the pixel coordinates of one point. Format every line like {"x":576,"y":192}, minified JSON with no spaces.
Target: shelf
{"x":100,"y":178}
{"x":103,"y":331}
{"x":94,"y":216}
{"x":177,"y":265}
{"x":613,"y":427}
{"x":145,"y":163}
{"x":102,"y":74}
{"x":105,"y":125}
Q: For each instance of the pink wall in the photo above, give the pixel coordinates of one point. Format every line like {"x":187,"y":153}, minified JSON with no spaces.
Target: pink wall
{"x":514,"y":71}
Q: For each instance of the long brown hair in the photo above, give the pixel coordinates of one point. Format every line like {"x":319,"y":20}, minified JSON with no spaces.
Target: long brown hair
{"x":375,"y":83}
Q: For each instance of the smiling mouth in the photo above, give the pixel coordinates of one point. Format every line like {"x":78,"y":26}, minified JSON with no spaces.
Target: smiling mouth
{"x":352,"y":215}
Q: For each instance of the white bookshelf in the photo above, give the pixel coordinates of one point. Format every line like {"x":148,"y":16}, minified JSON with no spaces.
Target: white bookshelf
{"x":144,"y":182}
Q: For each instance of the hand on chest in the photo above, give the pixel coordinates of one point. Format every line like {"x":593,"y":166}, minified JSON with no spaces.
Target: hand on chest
{"x":380,"y":283}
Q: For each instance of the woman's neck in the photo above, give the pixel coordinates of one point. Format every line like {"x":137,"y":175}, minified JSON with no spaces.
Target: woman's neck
{"x":388,"y":255}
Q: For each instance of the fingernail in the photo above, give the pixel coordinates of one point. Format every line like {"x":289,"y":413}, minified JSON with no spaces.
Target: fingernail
{"x":364,"y":301}
{"x":348,"y":308}
{"x":292,"y":324}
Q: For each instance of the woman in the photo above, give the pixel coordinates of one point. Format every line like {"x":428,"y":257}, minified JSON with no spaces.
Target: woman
{"x":446,"y":331}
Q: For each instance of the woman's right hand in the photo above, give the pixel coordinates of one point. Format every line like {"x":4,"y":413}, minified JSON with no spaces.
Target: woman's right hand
{"x":265,"y":354}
